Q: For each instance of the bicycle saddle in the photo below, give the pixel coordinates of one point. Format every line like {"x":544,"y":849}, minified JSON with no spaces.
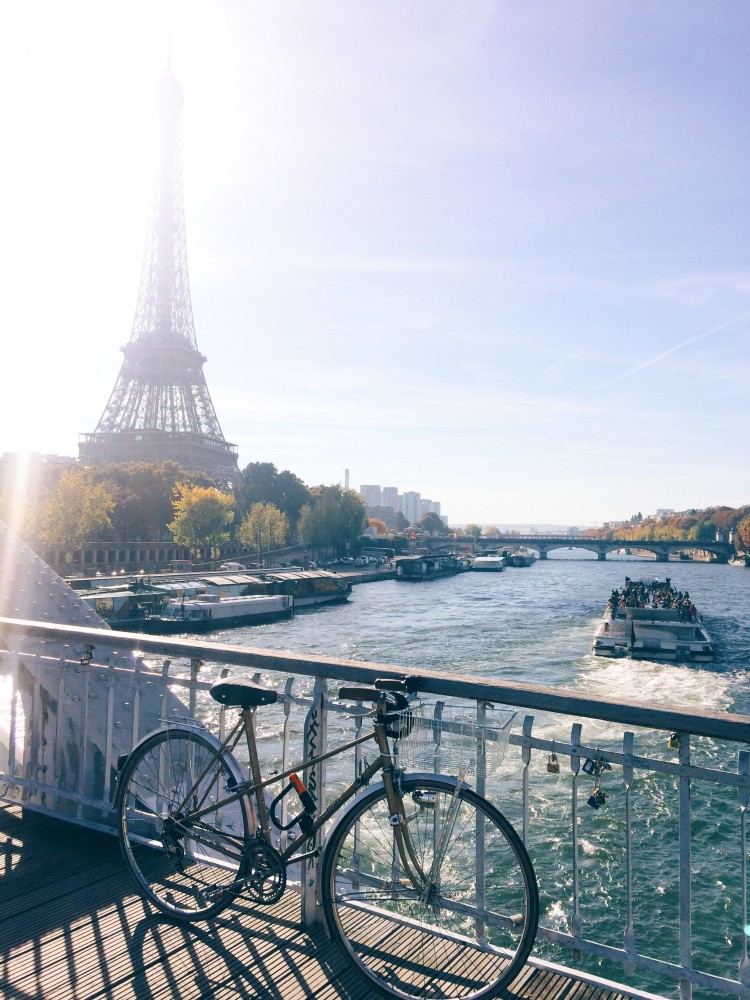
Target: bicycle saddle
{"x":242,"y":693}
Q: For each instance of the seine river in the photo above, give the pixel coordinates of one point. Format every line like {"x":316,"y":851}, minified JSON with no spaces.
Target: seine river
{"x":535,"y":625}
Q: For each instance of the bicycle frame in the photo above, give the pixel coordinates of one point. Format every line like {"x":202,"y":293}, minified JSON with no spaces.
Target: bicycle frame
{"x":253,"y":791}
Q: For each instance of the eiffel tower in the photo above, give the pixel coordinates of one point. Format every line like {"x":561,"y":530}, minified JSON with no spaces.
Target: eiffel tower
{"x":160,"y":408}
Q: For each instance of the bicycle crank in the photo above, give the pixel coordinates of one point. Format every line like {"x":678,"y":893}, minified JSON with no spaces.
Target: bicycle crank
{"x":265,"y":873}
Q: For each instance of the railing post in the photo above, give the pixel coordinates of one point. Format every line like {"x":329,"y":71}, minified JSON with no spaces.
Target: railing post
{"x":528,"y":724}
{"x":195,"y":665}
{"x":627,"y":780}
{"x":315,"y":736}
{"x":743,"y":768}
{"x":576,"y":921}
{"x":288,"y":698}
{"x":686,"y":987}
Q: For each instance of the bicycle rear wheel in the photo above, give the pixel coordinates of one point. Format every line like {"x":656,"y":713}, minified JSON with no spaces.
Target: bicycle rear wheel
{"x":466,"y":930}
{"x":190,"y":869}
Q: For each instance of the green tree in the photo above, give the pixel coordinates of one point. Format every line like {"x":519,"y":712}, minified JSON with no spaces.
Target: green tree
{"x":144,"y":492}
{"x":263,"y":527}
{"x":77,"y":511}
{"x":202,"y":518}
{"x":333,"y":519}
{"x":742,"y":532}
{"x":704,"y":531}
{"x":401,"y":524}
{"x":432,"y":523}
{"x":473,"y":530}
{"x":259,"y":482}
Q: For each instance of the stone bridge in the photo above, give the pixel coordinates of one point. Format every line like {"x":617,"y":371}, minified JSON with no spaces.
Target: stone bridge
{"x":719,"y":552}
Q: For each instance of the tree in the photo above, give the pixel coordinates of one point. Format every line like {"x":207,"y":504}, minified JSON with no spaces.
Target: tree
{"x":473,"y":530}
{"x":259,"y":482}
{"x":401,"y":524}
{"x":334,"y":518}
{"x":491,"y":531}
{"x":263,"y":527}
{"x":381,"y":528}
{"x":77,"y":511}
{"x":742,"y":532}
{"x":144,"y":492}
{"x":202,"y":517}
{"x":26,"y":483}
{"x":704,"y":531}
{"x":432,"y":523}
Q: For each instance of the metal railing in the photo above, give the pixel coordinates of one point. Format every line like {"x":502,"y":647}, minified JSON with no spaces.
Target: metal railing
{"x":73,"y":699}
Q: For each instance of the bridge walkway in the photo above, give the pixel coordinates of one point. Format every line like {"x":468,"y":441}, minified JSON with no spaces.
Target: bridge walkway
{"x":73,"y":928}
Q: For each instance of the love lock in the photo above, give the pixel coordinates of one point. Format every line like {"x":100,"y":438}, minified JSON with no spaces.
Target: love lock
{"x":553,"y":764}
{"x":597,"y":798}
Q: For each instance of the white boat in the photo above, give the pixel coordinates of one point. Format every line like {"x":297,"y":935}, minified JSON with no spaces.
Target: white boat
{"x":653,"y":633}
{"x":489,"y":563}
{"x":738,"y":560}
{"x":209,"y":611}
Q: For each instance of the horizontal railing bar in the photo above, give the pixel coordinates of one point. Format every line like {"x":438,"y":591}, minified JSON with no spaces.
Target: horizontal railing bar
{"x":54,"y":791}
{"x":631,"y":760}
{"x":735,"y":728}
{"x":676,"y":972}
{"x":189,"y":683}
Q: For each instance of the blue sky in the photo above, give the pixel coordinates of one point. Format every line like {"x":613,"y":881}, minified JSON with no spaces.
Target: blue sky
{"x":496,"y":252}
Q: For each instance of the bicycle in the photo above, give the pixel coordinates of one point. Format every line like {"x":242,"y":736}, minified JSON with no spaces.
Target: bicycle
{"x":425,"y":885}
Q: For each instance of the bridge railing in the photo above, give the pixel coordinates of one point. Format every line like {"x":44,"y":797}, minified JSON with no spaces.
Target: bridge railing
{"x":635,"y":817}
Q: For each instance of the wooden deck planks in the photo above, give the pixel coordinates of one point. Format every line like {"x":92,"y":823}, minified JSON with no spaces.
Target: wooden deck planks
{"x":72,"y":927}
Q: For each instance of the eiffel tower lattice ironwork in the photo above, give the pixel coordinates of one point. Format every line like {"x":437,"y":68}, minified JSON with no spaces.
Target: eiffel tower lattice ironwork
{"x":160,"y":408}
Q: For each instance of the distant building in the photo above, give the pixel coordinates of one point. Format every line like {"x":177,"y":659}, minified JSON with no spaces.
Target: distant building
{"x":387,"y":498}
{"x":371,"y":496}
{"x":392,"y":498}
{"x":412,"y":506}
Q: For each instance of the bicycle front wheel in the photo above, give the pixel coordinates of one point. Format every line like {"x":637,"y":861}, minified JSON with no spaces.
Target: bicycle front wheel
{"x":190,"y":868}
{"x":460,"y":928}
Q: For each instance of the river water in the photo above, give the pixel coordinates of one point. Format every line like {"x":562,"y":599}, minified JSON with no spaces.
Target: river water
{"x":535,"y":625}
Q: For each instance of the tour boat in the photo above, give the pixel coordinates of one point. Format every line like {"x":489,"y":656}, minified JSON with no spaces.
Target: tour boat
{"x":209,"y":611}
{"x":652,"y":633}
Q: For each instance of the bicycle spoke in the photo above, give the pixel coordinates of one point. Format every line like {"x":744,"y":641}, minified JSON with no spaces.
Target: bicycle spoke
{"x":187,"y":868}
{"x":462,"y":932}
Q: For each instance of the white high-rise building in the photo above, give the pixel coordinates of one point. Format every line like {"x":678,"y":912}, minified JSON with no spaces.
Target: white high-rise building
{"x":371,"y":495}
{"x":391,"y":498}
{"x":412,"y":506}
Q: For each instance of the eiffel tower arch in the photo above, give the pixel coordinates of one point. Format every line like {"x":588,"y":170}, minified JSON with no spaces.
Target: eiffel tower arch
{"x":160,"y":408}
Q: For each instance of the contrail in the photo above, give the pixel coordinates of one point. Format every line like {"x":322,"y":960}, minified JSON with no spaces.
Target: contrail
{"x":672,"y":350}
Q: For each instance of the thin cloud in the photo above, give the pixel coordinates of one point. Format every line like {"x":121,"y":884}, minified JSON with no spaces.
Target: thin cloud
{"x":672,"y":350}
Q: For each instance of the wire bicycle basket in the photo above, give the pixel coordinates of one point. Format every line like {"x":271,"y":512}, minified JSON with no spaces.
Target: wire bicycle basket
{"x":448,"y":739}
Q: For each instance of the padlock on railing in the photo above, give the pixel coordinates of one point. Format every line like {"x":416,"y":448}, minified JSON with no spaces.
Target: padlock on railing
{"x":597,"y":798}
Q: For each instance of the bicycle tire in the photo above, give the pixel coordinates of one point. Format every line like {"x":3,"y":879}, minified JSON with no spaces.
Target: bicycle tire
{"x":191,"y":871}
{"x":438,"y":947}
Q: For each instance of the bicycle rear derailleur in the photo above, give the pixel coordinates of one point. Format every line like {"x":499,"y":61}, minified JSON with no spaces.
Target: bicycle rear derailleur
{"x":265,"y":872}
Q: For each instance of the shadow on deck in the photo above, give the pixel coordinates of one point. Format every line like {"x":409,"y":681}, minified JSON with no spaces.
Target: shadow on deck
{"x":72,"y":927}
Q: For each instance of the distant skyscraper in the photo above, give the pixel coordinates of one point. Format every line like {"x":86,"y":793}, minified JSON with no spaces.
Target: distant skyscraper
{"x":391,"y":498}
{"x":346,"y":479}
{"x":371,"y":495}
{"x":412,"y":511}
{"x":160,"y":408}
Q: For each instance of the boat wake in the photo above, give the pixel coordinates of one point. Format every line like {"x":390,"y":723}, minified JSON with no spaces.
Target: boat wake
{"x":658,"y":684}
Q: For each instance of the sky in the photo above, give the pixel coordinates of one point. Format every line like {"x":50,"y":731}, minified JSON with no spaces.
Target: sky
{"x":494,"y":252}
